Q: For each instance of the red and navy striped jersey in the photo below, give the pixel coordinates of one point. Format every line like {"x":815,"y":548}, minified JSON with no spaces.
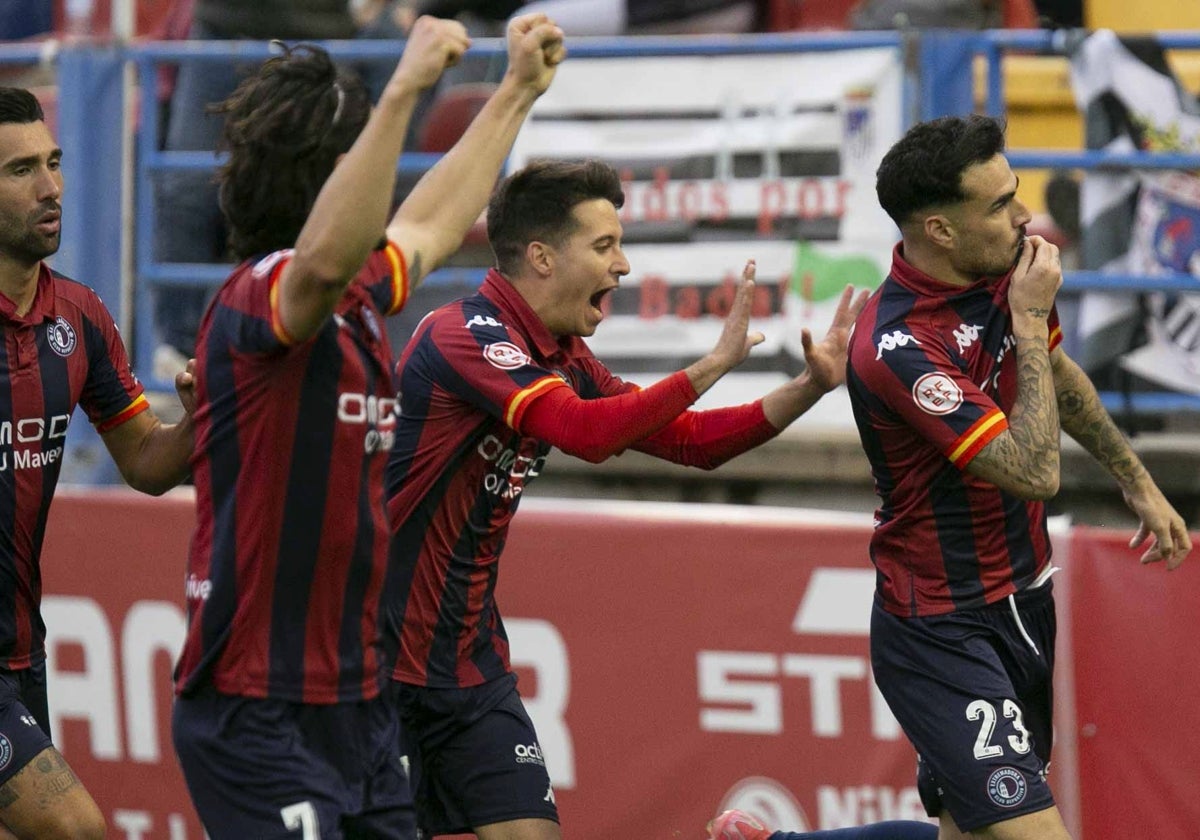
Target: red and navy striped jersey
{"x":459,"y":468}
{"x":65,"y":351}
{"x":931,"y":374}
{"x":289,"y":555}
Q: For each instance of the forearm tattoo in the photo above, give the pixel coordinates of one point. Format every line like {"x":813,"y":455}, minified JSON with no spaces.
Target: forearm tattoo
{"x":1083,"y":417}
{"x":1029,"y":454}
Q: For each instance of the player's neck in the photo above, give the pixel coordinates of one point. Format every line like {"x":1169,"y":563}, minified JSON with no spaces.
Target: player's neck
{"x":18,"y":282}
{"x":936,"y":263}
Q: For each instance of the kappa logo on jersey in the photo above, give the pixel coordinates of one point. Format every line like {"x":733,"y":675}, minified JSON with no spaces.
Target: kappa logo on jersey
{"x":61,"y":337}
{"x":1006,"y":787}
{"x":483,"y":321}
{"x":505,"y":355}
{"x":936,"y":393}
{"x":966,"y":335}
{"x":892,"y":340}
{"x":6,"y":751}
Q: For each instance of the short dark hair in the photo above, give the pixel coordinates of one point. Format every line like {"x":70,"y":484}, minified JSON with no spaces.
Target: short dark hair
{"x":285,"y":126}
{"x":18,"y":105}
{"x":925,"y":166}
{"x":535,"y":204}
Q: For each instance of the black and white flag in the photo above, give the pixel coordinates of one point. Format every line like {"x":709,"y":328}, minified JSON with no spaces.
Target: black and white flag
{"x":1138,"y":222}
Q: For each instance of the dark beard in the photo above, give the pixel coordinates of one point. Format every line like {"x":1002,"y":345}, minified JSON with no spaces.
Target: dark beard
{"x":31,"y":247}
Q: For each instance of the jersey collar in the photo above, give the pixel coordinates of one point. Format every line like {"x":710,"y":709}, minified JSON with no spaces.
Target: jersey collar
{"x":515,"y":309}
{"x":904,"y":273}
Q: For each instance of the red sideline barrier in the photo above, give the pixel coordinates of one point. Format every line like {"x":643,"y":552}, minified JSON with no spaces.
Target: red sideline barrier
{"x":1137,"y":670}
{"x":674,"y":665}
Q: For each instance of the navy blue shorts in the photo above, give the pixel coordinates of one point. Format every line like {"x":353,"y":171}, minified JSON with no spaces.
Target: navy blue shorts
{"x":24,"y":718}
{"x":276,"y":769}
{"x":474,"y":756}
{"x":976,"y":701}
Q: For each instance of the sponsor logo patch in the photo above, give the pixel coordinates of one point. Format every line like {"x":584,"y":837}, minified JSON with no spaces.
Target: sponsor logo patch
{"x":505,"y":355}
{"x":936,"y":393}
{"x":529,"y":754}
{"x":1006,"y":787}
{"x":61,"y":337}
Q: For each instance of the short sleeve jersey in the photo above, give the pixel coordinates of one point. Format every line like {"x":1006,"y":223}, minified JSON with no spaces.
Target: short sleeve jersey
{"x":65,"y":351}
{"x":458,"y":469}
{"x":932,"y":375}
{"x":288,"y":558}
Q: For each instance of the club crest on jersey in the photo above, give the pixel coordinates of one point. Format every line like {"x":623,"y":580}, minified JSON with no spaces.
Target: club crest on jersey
{"x":936,"y":393}
{"x":505,"y":355}
{"x":1006,"y":787}
{"x":61,"y":337}
{"x":6,"y":751}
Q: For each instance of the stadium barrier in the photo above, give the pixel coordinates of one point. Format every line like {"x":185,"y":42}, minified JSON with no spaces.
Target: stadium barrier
{"x":676,"y":659}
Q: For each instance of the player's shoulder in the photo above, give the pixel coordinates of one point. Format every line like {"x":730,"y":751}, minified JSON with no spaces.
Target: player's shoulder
{"x":72,"y":293}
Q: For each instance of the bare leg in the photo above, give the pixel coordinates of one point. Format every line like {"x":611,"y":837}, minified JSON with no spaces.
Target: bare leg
{"x":46,"y":801}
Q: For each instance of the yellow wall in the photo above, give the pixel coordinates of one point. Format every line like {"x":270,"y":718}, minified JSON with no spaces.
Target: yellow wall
{"x":1141,"y":15}
{"x":1041,"y":107}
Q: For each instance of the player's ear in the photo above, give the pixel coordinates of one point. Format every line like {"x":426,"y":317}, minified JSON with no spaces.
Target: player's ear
{"x":540,"y":257}
{"x":939,"y":230}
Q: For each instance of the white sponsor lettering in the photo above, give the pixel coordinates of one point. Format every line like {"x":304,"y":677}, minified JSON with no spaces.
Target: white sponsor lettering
{"x":892,"y":340}
{"x":513,"y":469}
{"x":24,"y":459}
{"x":35,"y":429}
{"x":138,"y":825}
{"x":936,"y":393}
{"x":151,"y":631}
{"x":197,"y":589}
{"x":379,"y":413}
{"x":529,"y":754}
{"x":743,"y":691}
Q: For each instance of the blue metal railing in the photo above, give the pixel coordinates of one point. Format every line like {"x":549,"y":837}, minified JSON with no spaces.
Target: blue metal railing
{"x":152,"y":160}
{"x":993,"y":46}
{"x":148,"y":57}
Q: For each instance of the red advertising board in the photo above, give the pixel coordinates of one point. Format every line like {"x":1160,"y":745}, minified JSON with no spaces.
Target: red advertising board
{"x":1137,"y":673}
{"x":676,"y":660}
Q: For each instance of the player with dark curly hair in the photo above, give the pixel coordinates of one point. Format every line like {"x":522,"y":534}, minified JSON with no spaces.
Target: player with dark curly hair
{"x":279,"y":725}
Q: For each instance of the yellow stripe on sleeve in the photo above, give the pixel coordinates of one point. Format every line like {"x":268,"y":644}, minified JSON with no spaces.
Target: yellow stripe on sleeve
{"x":980,"y":433}
{"x":277,"y":326}
{"x":133,"y":409}
{"x":520,"y":400}
{"x":400,"y":285}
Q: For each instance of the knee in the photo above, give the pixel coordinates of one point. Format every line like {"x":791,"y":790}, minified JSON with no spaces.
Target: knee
{"x":84,"y":823}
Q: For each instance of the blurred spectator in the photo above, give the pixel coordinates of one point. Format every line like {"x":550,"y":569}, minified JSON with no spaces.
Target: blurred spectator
{"x":189,"y":227}
{"x":1060,"y":14}
{"x":644,"y":17}
{"x":608,"y":17}
{"x":25,"y":18}
{"x":945,"y":14}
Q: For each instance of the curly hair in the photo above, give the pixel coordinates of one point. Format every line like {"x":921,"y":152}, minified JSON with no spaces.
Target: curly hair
{"x":285,"y":127}
{"x":535,"y":203}
{"x":925,"y":167}
{"x":18,"y":105}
